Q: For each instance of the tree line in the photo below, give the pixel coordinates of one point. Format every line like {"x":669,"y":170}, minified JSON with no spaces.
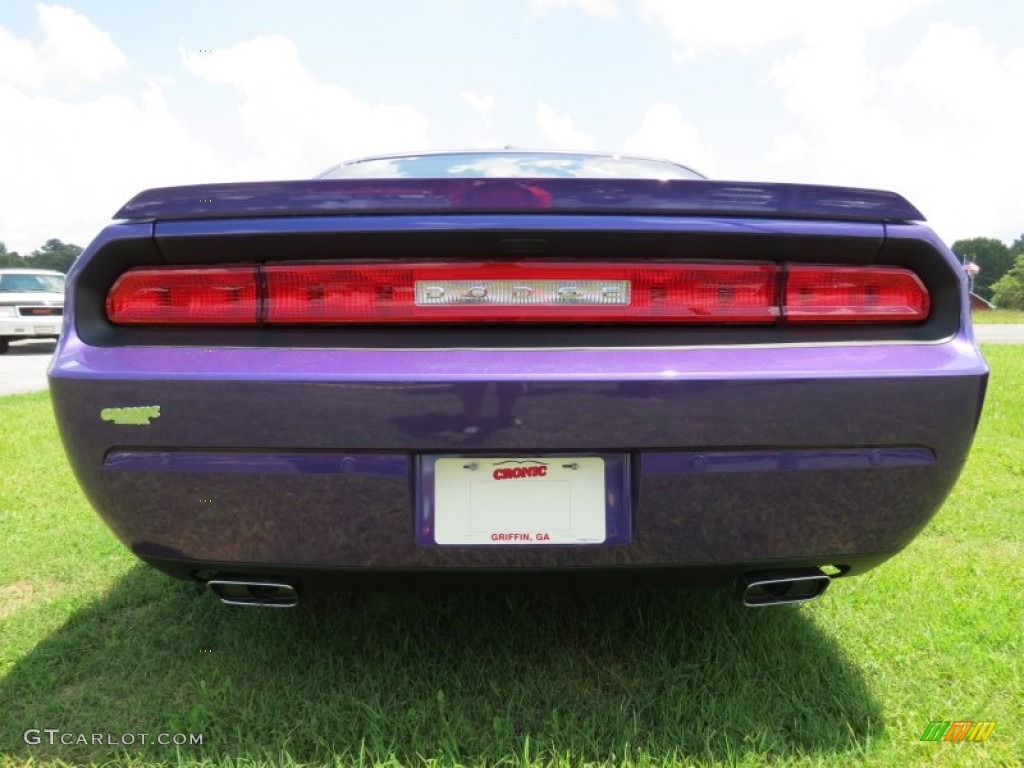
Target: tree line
{"x":1001,"y":269}
{"x":53,"y":255}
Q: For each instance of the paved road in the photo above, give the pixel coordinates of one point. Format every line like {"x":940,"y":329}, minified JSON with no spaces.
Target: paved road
{"x":1000,"y":334}
{"x":23,"y":369}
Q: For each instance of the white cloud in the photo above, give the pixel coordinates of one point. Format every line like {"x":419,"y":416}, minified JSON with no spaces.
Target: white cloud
{"x":19,"y":62}
{"x":967,"y":152}
{"x":748,"y":25}
{"x":63,"y":159}
{"x":664,"y":133}
{"x":953,"y":68}
{"x":843,"y":134}
{"x":825,"y":79}
{"x":99,"y":152}
{"x":606,"y":9}
{"x":73,"y":51}
{"x":87,"y":178}
{"x":482,"y":103}
{"x":558,"y":130}
{"x":940,"y":127}
{"x":479,"y":128}
{"x":296,"y":123}
{"x":788,"y":149}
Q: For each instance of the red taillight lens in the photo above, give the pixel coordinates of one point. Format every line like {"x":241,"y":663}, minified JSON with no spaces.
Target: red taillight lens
{"x":509,"y":292}
{"x":819,"y":294}
{"x":177,"y":296}
{"x":521,"y":292}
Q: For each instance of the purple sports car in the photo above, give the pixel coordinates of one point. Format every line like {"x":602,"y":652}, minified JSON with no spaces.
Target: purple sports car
{"x":528,"y":366}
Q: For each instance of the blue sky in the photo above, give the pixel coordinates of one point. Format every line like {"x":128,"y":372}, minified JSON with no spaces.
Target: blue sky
{"x":925,"y":97}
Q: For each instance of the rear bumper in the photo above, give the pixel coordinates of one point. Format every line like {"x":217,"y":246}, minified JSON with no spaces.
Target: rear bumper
{"x":306,"y":461}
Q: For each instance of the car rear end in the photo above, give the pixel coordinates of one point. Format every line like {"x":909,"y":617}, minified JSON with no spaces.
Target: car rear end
{"x":266,"y":386}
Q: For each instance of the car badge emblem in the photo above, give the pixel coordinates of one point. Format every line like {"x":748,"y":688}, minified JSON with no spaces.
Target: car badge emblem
{"x":139,"y":415}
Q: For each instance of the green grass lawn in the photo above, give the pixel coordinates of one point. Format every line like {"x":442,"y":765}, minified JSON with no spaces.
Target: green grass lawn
{"x":92,"y":642}
{"x":998,"y":316}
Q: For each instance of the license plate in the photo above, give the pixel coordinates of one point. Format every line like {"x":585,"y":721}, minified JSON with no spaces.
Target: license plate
{"x":45,"y":330}
{"x":519,"y":501}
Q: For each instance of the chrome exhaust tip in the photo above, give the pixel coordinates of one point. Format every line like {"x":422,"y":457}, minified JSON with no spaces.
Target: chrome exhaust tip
{"x":266,"y":593}
{"x":778,"y":589}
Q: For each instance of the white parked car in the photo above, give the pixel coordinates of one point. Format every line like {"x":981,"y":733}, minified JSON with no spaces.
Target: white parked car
{"x":31,"y":305}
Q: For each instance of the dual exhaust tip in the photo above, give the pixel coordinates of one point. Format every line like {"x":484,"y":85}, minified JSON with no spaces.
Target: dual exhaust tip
{"x":756,"y":590}
{"x":760,"y":589}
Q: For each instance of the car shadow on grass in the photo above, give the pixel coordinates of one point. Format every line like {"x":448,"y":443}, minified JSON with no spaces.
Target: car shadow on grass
{"x":685,"y":675}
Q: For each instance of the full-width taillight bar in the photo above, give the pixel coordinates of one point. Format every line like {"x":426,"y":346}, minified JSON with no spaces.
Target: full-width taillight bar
{"x":509,"y":292}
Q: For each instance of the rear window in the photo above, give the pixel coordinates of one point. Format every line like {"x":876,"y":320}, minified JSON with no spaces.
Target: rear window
{"x":506,"y":165}
{"x":31,"y":283}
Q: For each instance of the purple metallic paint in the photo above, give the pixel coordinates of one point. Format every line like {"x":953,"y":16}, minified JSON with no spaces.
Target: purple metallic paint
{"x":827,"y":408}
{"x":389,"y":465}
{"x":247,"y":463}
{"x":321,"y":197}
{"x":681,"y":518}
{"x":619,"y":484}
{"x":524,"y":222}
{"x":711,"y":462}
{"x":77,"y":360}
